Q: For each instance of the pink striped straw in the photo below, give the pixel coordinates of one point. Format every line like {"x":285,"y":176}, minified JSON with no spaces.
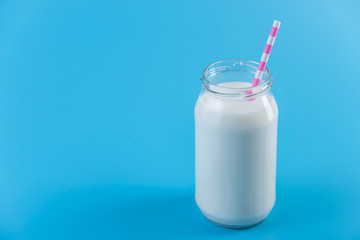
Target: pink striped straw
{"x":266,"y":53}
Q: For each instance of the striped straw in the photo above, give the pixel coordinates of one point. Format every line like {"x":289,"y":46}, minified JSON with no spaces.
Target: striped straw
{"x":266,"y":53}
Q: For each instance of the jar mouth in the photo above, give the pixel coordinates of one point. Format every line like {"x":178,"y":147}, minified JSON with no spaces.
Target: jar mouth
{"x":237,"y":69}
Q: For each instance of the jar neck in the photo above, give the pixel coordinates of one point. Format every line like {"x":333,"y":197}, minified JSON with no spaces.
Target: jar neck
{"x":233,"y":78}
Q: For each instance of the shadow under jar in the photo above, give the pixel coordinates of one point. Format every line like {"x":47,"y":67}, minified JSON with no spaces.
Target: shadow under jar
{"x":235,"y":144}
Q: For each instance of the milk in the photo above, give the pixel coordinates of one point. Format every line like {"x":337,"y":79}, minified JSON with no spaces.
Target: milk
{"x":235,"y":157}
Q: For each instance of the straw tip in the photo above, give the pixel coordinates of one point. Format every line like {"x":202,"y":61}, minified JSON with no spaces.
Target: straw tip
{"x":276,"y":24}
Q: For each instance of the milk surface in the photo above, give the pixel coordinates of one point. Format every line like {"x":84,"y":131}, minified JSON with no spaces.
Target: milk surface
{"x":235,"y":157}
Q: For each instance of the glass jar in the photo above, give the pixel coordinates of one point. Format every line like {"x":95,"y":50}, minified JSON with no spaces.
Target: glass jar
{"x":235,"y":144}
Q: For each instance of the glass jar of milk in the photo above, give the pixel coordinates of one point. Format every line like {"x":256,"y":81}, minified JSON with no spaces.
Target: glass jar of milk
{"x":235,"y":144}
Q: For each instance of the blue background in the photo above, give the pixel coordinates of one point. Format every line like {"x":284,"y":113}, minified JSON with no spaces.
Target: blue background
{"x":96,"y":116}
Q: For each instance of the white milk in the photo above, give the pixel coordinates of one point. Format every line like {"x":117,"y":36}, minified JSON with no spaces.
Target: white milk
{"x":235,"y":157}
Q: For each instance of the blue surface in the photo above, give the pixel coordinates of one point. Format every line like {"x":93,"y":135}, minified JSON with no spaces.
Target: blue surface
{"x":96,"y":116}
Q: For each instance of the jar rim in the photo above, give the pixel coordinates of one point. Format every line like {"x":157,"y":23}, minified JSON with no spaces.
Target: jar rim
{"x":236,"y":91}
